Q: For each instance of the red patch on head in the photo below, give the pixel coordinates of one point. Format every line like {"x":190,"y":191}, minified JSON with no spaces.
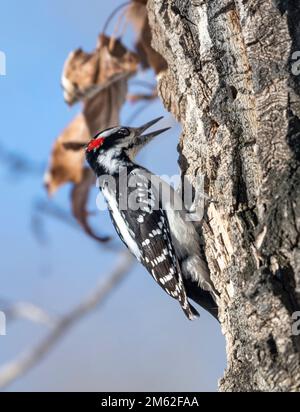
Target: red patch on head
{"x":95,"y":143}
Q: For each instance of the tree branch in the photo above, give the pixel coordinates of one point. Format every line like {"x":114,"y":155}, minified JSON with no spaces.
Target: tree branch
{"x":18,"y":367}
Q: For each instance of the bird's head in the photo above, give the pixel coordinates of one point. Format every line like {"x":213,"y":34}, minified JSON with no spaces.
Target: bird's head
{"x":119,"y":142}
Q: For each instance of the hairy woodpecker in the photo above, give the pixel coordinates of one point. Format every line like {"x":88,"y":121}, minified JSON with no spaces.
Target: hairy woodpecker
{"x":154,"y":227}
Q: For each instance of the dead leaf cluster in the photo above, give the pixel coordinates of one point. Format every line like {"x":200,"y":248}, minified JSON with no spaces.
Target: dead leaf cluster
{"x":99,"y":80}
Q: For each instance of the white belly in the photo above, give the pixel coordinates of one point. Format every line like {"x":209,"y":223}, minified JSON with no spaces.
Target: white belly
{"x":121,"y":223}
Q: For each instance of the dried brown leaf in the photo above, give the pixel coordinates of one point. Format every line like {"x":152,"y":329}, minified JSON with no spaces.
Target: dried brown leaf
{"x":100,"y":111}
{"x":100,"y":80}
{"x":79,"y":197}
{"x":79,"y":75}
{"x":137,"y":15}
{"x":85,"y":74}
{"x":66,"y":165}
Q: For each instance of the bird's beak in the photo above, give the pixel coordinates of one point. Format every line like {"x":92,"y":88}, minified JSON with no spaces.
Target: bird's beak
{"x":143,"y":139}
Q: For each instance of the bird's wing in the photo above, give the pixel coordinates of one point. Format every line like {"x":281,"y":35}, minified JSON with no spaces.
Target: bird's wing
{"x":143,"y":227}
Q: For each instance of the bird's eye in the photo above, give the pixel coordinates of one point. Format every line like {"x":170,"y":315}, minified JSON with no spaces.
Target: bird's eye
{"x":124,"y":131}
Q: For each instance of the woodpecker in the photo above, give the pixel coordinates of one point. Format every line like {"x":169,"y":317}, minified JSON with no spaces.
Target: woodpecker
{"x":153,"y":227}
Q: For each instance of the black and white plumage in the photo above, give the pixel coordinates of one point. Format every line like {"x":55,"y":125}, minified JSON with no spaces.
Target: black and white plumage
{"x":144,"y":229}
{"x":155,"y":231}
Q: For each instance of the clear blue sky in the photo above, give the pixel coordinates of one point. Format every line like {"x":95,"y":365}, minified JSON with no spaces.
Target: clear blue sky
{"x":140,"y":340}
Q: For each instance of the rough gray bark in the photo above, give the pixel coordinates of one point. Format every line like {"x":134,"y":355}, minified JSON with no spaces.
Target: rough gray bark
{"x":231,"y":85}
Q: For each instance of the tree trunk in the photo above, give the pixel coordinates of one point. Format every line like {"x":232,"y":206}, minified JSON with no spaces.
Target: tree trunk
{"x":232,"y":83}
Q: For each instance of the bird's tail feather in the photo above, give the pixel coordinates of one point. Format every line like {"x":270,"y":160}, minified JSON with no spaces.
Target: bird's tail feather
{"x":202,"y":297}
{"x":190,"y":312}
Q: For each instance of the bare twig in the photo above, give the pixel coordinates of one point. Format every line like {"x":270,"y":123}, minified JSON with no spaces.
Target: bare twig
{"x":18,"y":164}
{"x":52,"y":209}
{"x":26,"y":310}
{"x":18,"y":367}
{"x":136,"y":97}
{"x":112,"y":15}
